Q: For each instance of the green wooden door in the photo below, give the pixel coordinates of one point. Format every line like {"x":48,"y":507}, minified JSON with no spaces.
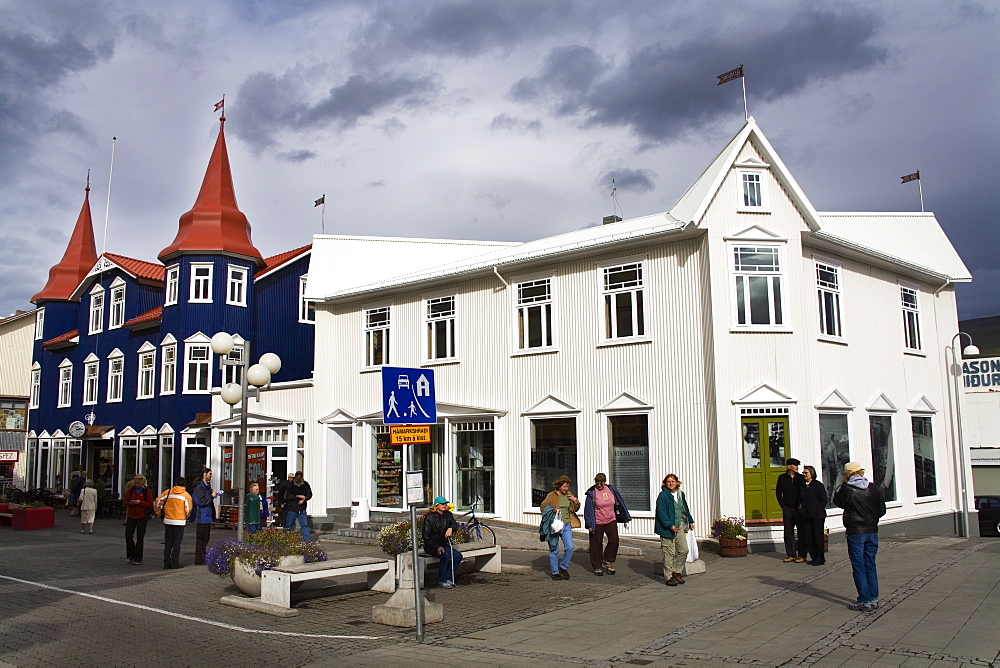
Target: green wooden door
{"x":765,"y":448}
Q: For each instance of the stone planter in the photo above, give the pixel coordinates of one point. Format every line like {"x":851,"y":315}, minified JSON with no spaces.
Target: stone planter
{"x":4,"y":511}
{"x":729,"y":547}
{"x":248,"y":582}
{"x":32,"y":518}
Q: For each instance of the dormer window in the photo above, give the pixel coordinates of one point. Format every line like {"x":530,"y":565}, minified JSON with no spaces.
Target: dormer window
{"x":97,"y":310}
{"x":116,"y":317}
{"x":753,"y":187}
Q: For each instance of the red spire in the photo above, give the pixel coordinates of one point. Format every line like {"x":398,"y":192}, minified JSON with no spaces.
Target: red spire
{"x":215,"y":223}
{"x":79,"y":258}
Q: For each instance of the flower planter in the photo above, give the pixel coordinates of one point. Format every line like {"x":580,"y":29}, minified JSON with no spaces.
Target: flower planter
{"x":4,"y":520}
{"x":729,"y":547}
{"x":248,"y":581}
{"x":32,"y":518}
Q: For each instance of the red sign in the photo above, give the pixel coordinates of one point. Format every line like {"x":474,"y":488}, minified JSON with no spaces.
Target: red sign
{"x":256,"y":468}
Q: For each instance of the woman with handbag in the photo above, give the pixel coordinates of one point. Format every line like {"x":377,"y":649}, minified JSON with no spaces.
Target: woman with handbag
{"x":564,"y":505}
{"x":673,"y":521}
{"x":602,"y":511}
{"x":812,"y":517}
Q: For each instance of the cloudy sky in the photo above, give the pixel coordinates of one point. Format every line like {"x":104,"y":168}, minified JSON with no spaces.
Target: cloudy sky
{"x":493,"y":119}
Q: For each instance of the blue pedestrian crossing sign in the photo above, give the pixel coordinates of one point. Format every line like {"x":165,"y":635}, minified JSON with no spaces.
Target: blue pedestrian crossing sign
{"x":408,"y":396}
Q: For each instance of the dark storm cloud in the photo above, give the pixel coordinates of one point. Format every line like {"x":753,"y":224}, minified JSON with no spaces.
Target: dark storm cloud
{"x":667,"y":88}
{"x":463,"y":29}
{"x":507,"y":123}
{"x":32,"y":69}
{"x":300,"y":155}
{"x":276,"y":102}
{"x":633,"y":180}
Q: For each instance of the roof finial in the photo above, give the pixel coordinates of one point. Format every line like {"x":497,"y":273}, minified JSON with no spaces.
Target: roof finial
{"x":88,"y":181}
{"x":221,"y":104}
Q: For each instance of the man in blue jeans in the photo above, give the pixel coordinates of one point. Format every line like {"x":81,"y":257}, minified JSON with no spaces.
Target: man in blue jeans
{"x":863,"y":506}
{"x":297,"y":493}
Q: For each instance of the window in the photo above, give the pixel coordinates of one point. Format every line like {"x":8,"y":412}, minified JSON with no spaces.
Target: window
{"x":147,"y":374}
{"x":234,"y":374}
{"x":236,"y":291}
{"x":758,"y":286}
{"x":534,"y":314}
{"x":883,"y":460}
{"x":629,"y":459}
{"x":752,"y":195}
{"x":65,"y":384}
{"x":923,"y":455}
{"x":129,"y":460}
{"x":39,"y":324}
{"x":199,"y":369}
{"x":116,"y":369}
{"x":91,"y":374}
{"x":307,"y":309}
{"x":36,"y":386}
{"x":835,"y":450}
{"x":97,"y":310}
{"x":173,"y":280}
{"x":474,"y":453}
{"x":911,"y":318}
{"x":201,"y":283}
{"x":168,"y":372}
{"x":553,"y":453}
{"x":377,"y":336}
{"x":828,"y":292}
{"x":116,"y":316}
{"x":623,"y":305}
{"x":440,"y":328}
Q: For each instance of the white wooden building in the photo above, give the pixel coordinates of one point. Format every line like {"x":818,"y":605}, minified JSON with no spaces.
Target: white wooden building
{"x":714,"y":340}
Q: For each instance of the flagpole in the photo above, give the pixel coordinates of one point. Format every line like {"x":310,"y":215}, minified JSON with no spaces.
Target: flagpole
{"x":920,"y":185}
{"x":323,"y":215}
{"x":746,"y":112}
{"x":107,"y":209}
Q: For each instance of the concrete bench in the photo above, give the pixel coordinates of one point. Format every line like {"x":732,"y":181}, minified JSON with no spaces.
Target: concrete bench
{"x":276,"y":584}
{"x":485,"y":559}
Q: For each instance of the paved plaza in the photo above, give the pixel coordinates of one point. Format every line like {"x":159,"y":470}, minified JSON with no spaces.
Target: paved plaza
{"x":72,"y":599}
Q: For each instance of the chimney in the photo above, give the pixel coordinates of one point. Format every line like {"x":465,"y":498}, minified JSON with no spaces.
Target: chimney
{"x":612,"y":219}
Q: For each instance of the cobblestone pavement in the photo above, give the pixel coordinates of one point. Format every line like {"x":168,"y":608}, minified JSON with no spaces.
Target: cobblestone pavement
{"x":73,"y":599}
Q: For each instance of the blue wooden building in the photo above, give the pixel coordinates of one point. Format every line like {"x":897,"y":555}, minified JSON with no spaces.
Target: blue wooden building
{"x":123,"y":372}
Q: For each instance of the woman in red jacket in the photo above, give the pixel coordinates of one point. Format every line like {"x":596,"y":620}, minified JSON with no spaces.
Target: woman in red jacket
{"x":138,"y":504}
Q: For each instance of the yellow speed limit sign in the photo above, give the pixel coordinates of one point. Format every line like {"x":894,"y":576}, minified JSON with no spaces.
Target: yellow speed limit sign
{"x":409,"y":434}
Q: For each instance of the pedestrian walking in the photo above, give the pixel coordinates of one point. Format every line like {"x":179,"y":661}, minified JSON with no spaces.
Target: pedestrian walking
{"x":603,"y":509}
{"x":204,"y":514}
{"x":297,"y":494}
{"x":138,"y":500}
{"x":88,"y":507}
{"x":812,"y":517}
{"x":74,"y":499}
{"x":863,"y":507}
{"x":787,"y":489}
{"x":175,"y":504}
{"x":564,"y":506}
{"x":673,"y":521}
{"x":439,"y":524}
{"x":255,"y":509}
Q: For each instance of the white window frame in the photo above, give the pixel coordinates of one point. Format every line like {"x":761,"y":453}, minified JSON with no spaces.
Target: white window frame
{"x":236,"y":285}
{"x":146,"y":374}
{"x":934,"y":458}
{"x":96,"y":310}
{"x":172,"y":285}
{"x":524,"y":310}
{"x":39,"y":324}
{"x":371,"y":334}
{"x":755,"y":177}
{"x":168,"y":366}
{"x":116,"y":376}
{"x":439,"y":321}
{"x":91,"y":379}
{"x":611,"y":292}
{"x":36,"y":386}
{"x":234,"y":374}
{"x":116,"y":310}
{"x":193,"y":364}
{"x":829,"y":292}
{"x":307,"y":308}
{"x":65,"y":397}
{"x":200,"y":291}
{"x":740,"y":287}
{"x":911,"y":318}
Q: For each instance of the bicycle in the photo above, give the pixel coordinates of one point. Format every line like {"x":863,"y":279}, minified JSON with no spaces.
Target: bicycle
{"x":478,"y":532}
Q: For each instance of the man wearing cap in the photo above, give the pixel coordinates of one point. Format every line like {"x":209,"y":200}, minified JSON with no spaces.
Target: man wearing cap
{"x":788,"y":489}
{"x":439,"y":524}
{"x":863,"y":506}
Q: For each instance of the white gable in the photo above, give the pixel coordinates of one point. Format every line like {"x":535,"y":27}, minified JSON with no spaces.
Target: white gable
{"x":755,"y":233}
{"x":147,"y":347}
{"x":922,"y":405}
{"x":127,"y":431}
{"x":764,"y":394}
{"x":340,"y":417}
{"x":551,"y":405}
{"x":253,"y":420}
{"x":166,"y":429}
{"x":882,"y":403}
{"x":625,"y":402}
{"x":147,"y":430}
{"x":835,"y":401}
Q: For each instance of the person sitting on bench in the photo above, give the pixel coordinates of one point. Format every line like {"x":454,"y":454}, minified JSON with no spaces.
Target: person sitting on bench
{"x":438,"y":526}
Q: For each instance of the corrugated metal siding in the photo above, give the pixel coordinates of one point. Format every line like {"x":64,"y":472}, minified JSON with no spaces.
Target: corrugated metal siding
{"x":16,"y":344}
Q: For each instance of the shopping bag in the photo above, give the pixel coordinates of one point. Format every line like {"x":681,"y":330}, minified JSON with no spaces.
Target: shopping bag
{"x":692,"y":547}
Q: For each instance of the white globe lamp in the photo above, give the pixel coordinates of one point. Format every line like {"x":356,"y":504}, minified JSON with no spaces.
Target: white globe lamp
{"x":258,"y":375}
{"x":232,"y":394}
{"x":222,"y":344}
{"x":272,"y":362}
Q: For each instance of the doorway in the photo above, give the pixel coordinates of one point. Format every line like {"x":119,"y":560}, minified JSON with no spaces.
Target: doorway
{"x":765,"y":448}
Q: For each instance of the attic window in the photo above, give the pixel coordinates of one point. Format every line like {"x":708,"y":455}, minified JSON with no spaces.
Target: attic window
{"x":753,"y":192}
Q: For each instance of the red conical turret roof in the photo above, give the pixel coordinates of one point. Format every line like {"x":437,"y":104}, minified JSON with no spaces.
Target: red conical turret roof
{"x":215,"y":223}
{"x":77,"y":261}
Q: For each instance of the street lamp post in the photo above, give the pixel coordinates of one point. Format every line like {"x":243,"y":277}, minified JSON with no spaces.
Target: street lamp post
{"x":957,"y":371}
{"x":257,"y":375}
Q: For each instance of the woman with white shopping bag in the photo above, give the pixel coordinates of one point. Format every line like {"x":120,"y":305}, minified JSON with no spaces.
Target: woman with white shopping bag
{"x":673,"y":521}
